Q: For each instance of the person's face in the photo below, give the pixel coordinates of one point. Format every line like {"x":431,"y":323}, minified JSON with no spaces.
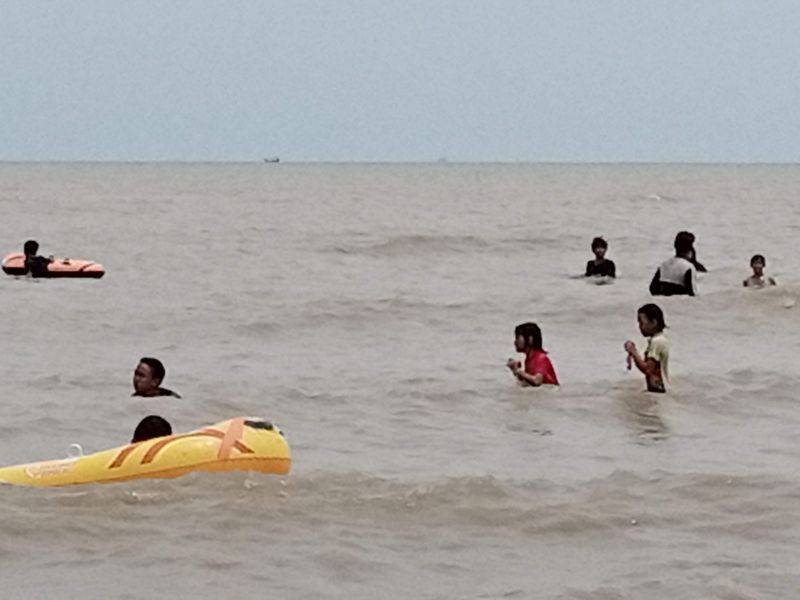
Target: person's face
{"x":143,"y":381}
{"x":646,"y":326}
{"x":599,"y":252}
{"x":758,"y":267}
{"x":519,"y":343}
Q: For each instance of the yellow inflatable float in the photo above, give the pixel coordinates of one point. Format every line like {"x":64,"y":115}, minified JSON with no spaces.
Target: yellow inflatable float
{"x":240,"y":444}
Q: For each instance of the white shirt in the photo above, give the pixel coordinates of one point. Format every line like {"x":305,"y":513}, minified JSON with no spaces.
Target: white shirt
{"x":673,"y":270}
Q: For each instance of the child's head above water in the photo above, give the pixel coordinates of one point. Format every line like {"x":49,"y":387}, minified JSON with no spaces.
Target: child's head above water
{"x":152,"y":426}
{"x":651,"y":320}
{"x":758,"y":262}
{"x":599,"y":247}
{"x":527,"y":336}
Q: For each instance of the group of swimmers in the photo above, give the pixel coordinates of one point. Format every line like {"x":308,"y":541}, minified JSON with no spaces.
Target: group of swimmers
{"x":675,"y":276}
{"x":147,"y":376}
{"x":653,"y":363}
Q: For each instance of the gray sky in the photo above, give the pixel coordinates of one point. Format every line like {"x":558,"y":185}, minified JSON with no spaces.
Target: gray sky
{"x":562,"y":80}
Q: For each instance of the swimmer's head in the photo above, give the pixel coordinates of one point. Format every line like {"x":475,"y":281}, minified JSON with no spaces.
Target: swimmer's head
{"x":527,"y":336}
{"x":151,"y":427}
{"x":599,"y":247}
{"x":31,"y":247}
{"x":758,"y":262}
{"x":148,"y":376}
{"x":651,"y":319}
{"x":684,"y":244}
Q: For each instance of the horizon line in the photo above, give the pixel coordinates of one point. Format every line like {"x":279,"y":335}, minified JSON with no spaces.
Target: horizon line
{"x":398,"y":162}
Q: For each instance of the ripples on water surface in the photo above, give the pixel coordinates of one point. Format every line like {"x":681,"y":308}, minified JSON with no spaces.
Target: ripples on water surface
{"x":369,"y":310}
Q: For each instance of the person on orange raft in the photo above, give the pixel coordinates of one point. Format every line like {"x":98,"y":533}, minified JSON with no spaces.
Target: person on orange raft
{"x":147,"y":379}
{"x":35,"y":265}
{"x":538,"y":368}
{"x":152,"y":426}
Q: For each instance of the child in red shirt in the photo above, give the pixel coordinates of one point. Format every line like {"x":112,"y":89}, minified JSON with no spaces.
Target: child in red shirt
{"x":538,"y":368}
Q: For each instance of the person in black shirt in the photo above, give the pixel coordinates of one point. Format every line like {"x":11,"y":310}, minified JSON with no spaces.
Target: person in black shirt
{"x":147,"y":379}
{"x":600,"y":266}
{"x":35,"y":265}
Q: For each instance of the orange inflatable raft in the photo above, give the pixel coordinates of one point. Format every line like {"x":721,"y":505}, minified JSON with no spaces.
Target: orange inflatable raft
{"x":14,"y":264}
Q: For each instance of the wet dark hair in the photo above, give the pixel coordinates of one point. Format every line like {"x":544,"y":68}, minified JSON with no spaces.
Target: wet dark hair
{"x":684,"y":243}
{"x":31,"y":247}
{"x":152,"y":426}
{"x":156,"y":367}
{"x":599,"y":242}
{"x":531,"y":334}
{"x":654,"y":313}
{"x":758,"y":257}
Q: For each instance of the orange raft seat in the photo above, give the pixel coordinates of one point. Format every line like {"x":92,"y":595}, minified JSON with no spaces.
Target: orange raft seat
{"x":240,"y":444}
{"x":14,"y":264}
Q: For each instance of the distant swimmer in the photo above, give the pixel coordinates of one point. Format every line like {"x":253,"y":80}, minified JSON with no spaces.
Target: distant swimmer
{"x":147,"y":379}
{"x":151,"y":427}
{"x":676,"y":276}
{"x":538,"y":368}
{"x":35,"y":265}
{"x":758,"y":279}
{"x":600,"y":266}
{"x":655,"y":361}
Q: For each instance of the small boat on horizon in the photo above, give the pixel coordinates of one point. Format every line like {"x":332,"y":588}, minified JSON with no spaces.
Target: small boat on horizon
{"x":272,"y":159}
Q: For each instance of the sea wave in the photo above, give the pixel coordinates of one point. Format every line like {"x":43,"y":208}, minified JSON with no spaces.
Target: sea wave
{"x":735,"y":505}
{"x":414,"y":245}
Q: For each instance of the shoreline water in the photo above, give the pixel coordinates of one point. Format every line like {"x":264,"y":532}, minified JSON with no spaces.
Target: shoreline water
{"x":368,"y":310}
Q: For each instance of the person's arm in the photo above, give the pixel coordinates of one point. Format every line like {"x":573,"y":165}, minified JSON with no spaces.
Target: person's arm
{"x":612,"y":269}
{"x":688,"y":281}
{"x":588,"y":269}
{"x":648,"y":366}
{"x":654,"y":283}
{"x":534,"y":379}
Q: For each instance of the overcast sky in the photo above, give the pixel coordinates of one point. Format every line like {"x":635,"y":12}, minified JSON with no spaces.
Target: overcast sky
{"x":562,"y":80}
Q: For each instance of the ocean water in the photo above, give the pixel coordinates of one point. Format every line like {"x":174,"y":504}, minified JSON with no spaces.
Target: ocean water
{"x":369,"y":311}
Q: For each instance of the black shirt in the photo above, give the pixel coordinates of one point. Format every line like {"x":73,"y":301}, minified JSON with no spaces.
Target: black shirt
{"x":161,"y":392}
{"x":605,"y":268}
{"x":37,"y":265}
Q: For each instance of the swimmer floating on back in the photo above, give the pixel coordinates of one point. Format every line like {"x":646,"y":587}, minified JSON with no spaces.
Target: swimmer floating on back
{"x":538,"y":368}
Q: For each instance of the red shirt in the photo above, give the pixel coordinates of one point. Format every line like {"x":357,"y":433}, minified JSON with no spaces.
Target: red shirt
{"x":536,"y":361}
